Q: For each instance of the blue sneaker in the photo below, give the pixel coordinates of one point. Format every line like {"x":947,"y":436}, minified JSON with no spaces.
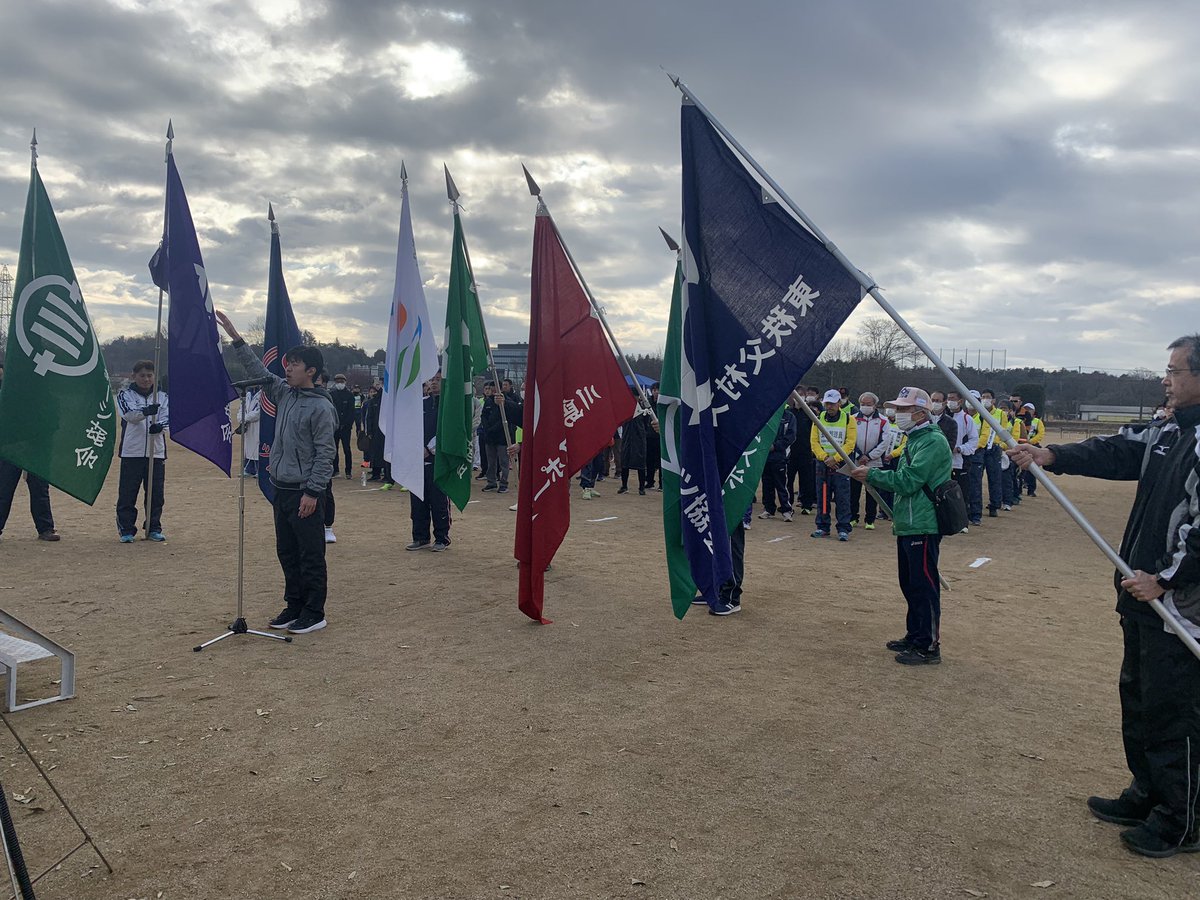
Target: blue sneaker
{"x":843,"y":535}
{"x":157,"y":536}
{"x":725,"y":609}
{"x":820,"y":532}
{"x":127,"y":539}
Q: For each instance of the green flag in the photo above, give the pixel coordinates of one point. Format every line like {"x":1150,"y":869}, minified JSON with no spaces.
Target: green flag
{"x":465,"y":357}
{"x":739,"y":486}
{"x":56,"y":406}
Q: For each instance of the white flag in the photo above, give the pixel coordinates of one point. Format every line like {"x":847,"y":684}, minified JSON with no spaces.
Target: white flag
{"x":411,"y":361}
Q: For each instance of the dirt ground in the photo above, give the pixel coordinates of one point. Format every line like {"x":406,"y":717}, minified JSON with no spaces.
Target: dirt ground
{"x":434,"y":743}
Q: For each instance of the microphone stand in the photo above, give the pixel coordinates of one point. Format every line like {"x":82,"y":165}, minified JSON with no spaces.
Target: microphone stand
{"x":239,"y":624}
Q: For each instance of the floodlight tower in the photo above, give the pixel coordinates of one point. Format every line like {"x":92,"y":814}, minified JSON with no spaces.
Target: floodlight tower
{"x":6,"y":283}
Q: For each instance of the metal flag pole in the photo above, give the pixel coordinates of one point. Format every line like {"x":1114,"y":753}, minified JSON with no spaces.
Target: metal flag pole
{"x":453,"y":195}
{"x":152,"y":439}
{"x":644,"y":401}
{"x":869,"y":285}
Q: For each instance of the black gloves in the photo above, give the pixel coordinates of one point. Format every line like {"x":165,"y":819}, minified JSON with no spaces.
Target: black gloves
{"x":150,"y":409}
{"x":156,"y":428}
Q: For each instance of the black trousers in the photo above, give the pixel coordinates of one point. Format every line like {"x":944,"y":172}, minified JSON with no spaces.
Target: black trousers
{"x":434,"y":509}
{"x":132,"y":483}
{"x":653,"y":459}
{"x":625,"y":470}
{"x":300,"y":546}
{"x":917,"y":558}
{"x":330,"y":506}
{"x":341,"y":439}
{"x":39,"y":497}
{"x":1160,"y":724}
{"x":856,"y":492}
{"x":800,"y":465}
{"x":774,"y":484}
{"x":731,"y":591}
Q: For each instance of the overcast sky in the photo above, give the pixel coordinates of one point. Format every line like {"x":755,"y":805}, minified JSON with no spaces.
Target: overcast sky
{"x":1015,"y":175}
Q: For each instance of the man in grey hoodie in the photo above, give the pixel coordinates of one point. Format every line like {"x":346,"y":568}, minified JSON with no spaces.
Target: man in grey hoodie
{"x":301,"y":464}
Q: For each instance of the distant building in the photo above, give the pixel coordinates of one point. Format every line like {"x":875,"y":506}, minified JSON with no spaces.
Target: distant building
{"x":511,"y":360}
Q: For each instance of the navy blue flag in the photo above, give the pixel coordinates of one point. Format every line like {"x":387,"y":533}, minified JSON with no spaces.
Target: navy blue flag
{"x":280,"y":336}
{"x":200,"y":389}
{"x":763,"y":298}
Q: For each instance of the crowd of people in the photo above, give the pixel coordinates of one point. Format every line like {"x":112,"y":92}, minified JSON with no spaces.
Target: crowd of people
{"x":827,"y":448}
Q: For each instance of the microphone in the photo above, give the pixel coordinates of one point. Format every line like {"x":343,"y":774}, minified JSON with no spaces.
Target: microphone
{"x":253,"y":382}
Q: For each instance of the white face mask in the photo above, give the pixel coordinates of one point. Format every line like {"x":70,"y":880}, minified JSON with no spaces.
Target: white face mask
{"x":339,"y":385}
{"x":953,"y":405}
{"x":937,"y":408}
{"x":811,"y":398}
{"x":904,"y":421}
{"x":867,"y":410}
{"x":987,"y":403}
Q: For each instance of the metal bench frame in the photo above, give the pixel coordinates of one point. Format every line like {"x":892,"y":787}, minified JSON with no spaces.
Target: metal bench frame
{"x":49,"y":648}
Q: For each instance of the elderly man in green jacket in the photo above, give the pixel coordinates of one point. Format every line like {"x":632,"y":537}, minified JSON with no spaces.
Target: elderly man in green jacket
{"x":924,"y":465}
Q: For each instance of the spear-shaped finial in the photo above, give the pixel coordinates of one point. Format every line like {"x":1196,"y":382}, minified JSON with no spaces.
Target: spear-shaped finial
{"x":670,"y":240}
{"x":33,"y":149}
{"x":403,"y":173}
{"x":271,"y":218}
{"x":451,"y":187}
{"x":170,"y":135}
{"x":674,"y":78}
{"x":533,"y":185}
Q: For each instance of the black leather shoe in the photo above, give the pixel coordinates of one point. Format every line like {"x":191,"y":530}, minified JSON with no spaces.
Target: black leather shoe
{"x":1119,"y":811}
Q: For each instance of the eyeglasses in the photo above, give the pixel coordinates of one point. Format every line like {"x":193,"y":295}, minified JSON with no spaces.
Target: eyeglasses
{"x":1172,"y":372}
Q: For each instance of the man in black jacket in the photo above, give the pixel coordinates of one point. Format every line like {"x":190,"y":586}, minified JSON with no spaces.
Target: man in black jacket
{"x":1160,"y":678}
{"x":343,"y":402}
{"x":774,"y":476}
{"x":434,"y":509}
{"x":498,"y":419}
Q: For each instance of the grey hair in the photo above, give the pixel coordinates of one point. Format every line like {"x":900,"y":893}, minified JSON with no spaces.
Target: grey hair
{"x":1192,"y":342}
{"x":870,"y":394}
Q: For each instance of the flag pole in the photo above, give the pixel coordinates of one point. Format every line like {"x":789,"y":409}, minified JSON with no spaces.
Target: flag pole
{"x":644,"y":401}
{"x":151,"y":438}
{"x":869,"y":285}
{"x":452,"y":194}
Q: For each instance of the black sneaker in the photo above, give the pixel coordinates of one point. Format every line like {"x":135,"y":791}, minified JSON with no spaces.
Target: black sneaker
{"x":899,"y":646}
{"x":915,"y":656}
{"x":417,"y":545}
{"x":623,"y":490}
{"x":503,"y":489}
{"x":725,"y":609}
{"x":285,"y":618}
{"x":699,"y":601}
{"x":992,"y":514}
{"x":1145,"y":841}
{"x":489,"y":487}
{"x":306,"y":623}
{"x":1119,"y":811}
{"x":439,"y":546}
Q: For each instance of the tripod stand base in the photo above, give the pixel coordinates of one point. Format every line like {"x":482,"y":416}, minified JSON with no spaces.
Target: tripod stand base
{"x":239,"y":627}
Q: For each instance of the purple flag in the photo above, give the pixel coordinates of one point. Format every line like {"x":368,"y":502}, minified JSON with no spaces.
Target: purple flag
{"x":200,"y":389}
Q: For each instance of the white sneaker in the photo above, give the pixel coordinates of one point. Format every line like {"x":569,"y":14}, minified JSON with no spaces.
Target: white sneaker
{"x":513,"y":508}
{"x":330,"y":537}
{"x":766,"y":515}
{"x":787,"y":517}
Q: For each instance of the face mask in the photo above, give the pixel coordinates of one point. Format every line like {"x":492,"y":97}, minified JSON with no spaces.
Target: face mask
{"x":904,"y":421}
{"x":867,"y":410}
{"x":811,"y":398}
{"x":339,"y":385}
{"x":937,"y":408}
{"x":953,"y":405}
{"x":891,"y":415}
{"x":987,"y":404}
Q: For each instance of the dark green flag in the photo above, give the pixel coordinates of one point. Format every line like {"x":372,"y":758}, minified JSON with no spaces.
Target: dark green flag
{"x":465,"y":357}
{"x":56,"y":408}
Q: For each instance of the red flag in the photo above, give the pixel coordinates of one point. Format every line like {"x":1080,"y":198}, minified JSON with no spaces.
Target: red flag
{"x":575,"y":397}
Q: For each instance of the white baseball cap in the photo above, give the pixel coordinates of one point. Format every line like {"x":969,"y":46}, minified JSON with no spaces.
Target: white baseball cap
{"x":911,"y":396}
{"x":832,"y":396}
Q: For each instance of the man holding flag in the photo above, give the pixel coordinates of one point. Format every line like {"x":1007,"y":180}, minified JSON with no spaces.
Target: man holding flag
{"x":57,"y":418}
{"x":763,"y":297}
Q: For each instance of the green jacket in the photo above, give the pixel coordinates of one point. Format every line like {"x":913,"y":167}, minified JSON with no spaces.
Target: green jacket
{"x":928,"y":463}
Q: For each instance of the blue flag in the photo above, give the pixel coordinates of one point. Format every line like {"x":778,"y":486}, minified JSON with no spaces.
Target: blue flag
{"x":200,"y":389}
{"x":280,"y":336}
{"x":763,"y":298}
